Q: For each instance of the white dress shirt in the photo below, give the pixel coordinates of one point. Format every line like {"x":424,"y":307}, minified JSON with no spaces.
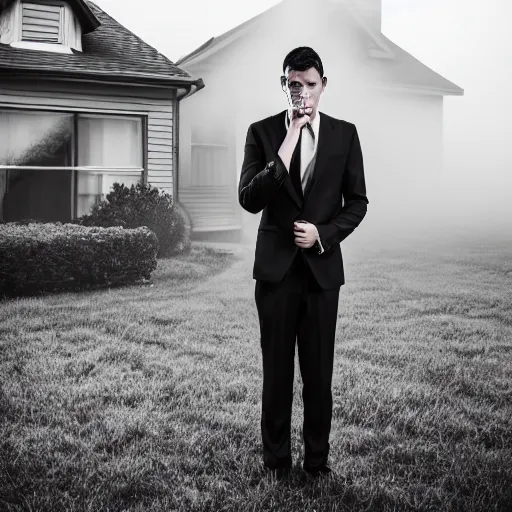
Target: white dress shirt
{"x":308,"y":145}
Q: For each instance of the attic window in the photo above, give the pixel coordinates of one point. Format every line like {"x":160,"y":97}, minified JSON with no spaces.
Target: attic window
{"x":41,"y":23}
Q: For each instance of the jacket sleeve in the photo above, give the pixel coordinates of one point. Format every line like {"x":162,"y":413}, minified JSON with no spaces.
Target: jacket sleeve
{"x":258,"y":181}
{"x":353,"y":191}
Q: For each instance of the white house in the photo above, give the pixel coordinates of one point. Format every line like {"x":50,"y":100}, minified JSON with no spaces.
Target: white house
{"x":394,"y":100}
{"x":83,"y":103}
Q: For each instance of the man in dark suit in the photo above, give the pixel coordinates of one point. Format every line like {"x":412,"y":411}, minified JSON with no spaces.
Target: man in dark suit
{"x":310,"y":185}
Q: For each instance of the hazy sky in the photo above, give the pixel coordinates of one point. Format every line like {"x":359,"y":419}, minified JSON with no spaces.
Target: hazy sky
{"x":176,"y":28}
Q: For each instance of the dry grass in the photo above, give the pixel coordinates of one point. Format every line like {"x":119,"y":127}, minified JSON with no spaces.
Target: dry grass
{"x":148,"y":398}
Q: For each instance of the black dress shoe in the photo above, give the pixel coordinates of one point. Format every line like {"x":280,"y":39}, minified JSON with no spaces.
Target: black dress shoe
{"x":318,"y":472}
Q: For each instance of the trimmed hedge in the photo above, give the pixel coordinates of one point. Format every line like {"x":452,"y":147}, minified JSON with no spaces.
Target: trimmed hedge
{"x":142,"y":205}
{"x":49,"y":257}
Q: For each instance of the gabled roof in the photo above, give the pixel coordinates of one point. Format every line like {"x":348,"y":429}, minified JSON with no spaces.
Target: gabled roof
{"x":400,"y":66}
{"x":216,"y":43}
{"x":408,"y":72}
{"x":110,"y":53}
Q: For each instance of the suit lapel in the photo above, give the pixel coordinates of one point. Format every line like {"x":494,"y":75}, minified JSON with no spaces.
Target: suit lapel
{"x":323,"y":149}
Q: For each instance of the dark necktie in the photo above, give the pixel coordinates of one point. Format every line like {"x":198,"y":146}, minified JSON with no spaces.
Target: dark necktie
{"x":310,"y":130}
{"x":295,"y":168}
{"x":309,"y":154}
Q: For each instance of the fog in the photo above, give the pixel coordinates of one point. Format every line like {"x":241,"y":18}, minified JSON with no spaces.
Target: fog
{"x":433,"y":164}
{"x":470,"y":44}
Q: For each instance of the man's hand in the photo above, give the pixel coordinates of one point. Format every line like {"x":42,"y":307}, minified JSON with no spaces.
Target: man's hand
{"x":305,"y":233}
{"x":299,"y":117}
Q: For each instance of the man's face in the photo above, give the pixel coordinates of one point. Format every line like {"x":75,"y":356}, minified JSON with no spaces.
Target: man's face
{"x":307,"y":84}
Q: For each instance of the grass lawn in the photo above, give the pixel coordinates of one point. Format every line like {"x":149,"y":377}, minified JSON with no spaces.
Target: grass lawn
{"x":147,"y":398}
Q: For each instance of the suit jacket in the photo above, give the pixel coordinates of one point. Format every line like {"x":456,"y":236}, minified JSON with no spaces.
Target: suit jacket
{"x":334,"y":199}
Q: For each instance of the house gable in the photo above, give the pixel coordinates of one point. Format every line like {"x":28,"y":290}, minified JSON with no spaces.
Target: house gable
{"x":381,"y":53}
{"x":377,"y":48}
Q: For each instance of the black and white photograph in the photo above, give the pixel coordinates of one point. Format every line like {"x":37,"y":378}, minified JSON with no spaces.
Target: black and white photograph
{"x":255,"y":256}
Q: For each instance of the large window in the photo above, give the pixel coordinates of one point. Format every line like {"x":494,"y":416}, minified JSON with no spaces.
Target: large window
{"x":55,"y":166}
{"x":109,"y":150}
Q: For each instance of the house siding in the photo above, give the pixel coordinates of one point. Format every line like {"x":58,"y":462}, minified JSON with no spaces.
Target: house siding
{"x":157,"y":106}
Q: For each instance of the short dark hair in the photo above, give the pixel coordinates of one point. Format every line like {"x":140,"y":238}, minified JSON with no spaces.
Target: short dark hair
{"x":302,"y":58}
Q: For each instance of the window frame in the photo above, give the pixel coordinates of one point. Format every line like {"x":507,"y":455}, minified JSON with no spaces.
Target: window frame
{"x":141,"y":171}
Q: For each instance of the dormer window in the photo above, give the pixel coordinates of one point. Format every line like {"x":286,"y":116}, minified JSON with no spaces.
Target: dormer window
{"x":47,"y":25}
{"x":41,"y":23}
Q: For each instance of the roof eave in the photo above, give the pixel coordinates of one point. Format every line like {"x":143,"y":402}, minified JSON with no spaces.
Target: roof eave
{"x":449,"y":90}
{"x":209,"y":48}
{"x":108,"y":77}
{"x":194,"y":52}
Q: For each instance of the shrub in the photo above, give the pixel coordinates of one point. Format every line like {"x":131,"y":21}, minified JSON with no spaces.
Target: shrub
{"x":142,"y":205}
{"x":55,"y":256}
